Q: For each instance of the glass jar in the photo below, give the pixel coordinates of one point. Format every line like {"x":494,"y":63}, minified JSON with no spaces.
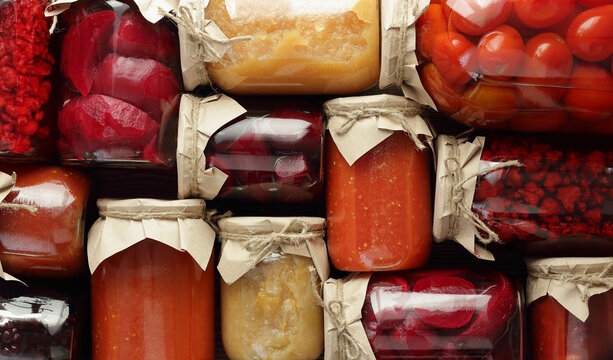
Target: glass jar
{"x":27,"y":104}
{"x":540,"y":67}
{"x":42,"y":232}
{"x":379,"y":209}
{"x":270,"y":155}
{"x":443,"y":314}
{"x":557,"y":204}
{"x":39,"y":324}
{"x":152,"y":282}
{"x":297,"y":46}
{"x":121,"y":94}
{"x":271,"y":313}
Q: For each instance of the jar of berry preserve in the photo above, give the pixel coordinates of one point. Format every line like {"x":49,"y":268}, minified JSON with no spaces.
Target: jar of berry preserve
{"x":529,"y":67}
{"x":121,"y":90}
{"x":42,"y":221}
{"x":152,"y":282}
{"x":428,"y":314}
{"x":378,"y":184}
{"x":539,"y":195}
{"x":268,"y":151}
{"x":271,"y":268}
{"x":27,"y":103}
{"x":570,"y":307}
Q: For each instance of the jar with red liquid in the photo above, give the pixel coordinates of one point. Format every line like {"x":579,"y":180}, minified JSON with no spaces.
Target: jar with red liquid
{"x":27,"y":102}
{"x":42,"y":222}
{"x":523,"y":65}
{"x":570,"y":308}
{"x":152,"y":281}
{"x":540,"y":195}
{"x":427,"y":314}
{"x":122,"y":87}
{"x":378,"y":195}
{"x":268,"y":150}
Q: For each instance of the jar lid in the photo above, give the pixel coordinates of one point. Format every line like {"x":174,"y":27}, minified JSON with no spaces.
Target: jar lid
{"x":139,"y":209}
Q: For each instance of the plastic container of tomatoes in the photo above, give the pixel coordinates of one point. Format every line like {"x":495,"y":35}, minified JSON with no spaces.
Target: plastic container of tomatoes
{"x":524,"y":65}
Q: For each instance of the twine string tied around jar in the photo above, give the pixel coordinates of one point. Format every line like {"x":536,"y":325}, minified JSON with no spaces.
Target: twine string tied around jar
{"x":399,"y":115}
{"x":349,"y":347}
{"x":457,"y":194}
{"x":601,"y":279}
{"x":403,"y":36}
{"x":181,"y":213}
{"x":213,"y":216}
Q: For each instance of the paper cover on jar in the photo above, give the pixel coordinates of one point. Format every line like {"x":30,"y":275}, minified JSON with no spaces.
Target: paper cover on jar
{"x":358,"y":124}
{"x":570,"y":281}
{"x":248,"y":240}
{"x":399,"y":48}
{"x":199,"y":119}
{"x":152,"y":10}
{"x":179,"y":224}
{"x":6,"y":185}
{"x":343,"y":301}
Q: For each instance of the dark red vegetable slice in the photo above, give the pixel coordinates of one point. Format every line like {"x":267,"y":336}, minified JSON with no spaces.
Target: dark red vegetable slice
{"x":448,"y":301}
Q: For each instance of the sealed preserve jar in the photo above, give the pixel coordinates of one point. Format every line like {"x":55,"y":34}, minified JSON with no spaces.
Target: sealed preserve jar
{"x":37,"y":323}
{"x":532,"y":66}
{"x":121,"y":93}
{"x":271,"y":270}
{"x":152,"y":283}
{"x":268,"y":151}
{"x":540,"y":195}
{"x":377,"y":184}
{"x":27,"y":108}
{"x":570,"y":308}
{"x":429,"y":314}
{"x":296,"y":46}
{"x":42,"y":221}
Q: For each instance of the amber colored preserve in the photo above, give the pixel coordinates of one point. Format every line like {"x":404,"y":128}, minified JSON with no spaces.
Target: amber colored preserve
{"x":379,"y":210}
{"x":297,"y":46}
{"x":559,"y":335}
{"x":49,"y":240}
{"x":151,"y":302}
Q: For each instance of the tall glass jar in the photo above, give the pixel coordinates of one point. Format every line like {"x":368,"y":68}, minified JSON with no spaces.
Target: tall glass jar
{"x":297,"y":46}
{"x":152,"y":298}
{"x":42,"y":222}
{"x":122,"y":90}
{"x":27,"y":103}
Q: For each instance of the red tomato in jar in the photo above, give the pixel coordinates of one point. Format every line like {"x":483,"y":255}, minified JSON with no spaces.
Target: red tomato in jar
{"x":455,"y":57}
{"x":501,"y":53}
{"x":548,"y":62}
{"x":476,"y":17}
{"x":594,"y":3}
{"x":447,"y":97}
{"x":432,"y":23}
{"x":488,"y":105}
{"x":561,"y":27}
{"x":543,"y":13}
{"x":590,"y":93}
{"x":590,"y":35}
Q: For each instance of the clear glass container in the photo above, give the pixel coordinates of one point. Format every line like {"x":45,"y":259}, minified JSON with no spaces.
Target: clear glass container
{"x":151,"y":302}
{"x":46,"y":239}
{"x":28,"y":106}
{"x":444,"y":314}
{"x":379,"y":209}
{"x":271,"y":312}
{"x":122,"y":90}
{"x":273,"y":153}
{"x":297,"y":46}
{"x":540,"y":66}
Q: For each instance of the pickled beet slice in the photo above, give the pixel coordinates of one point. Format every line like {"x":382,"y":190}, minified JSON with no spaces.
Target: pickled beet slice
{"x":387,"y":300}
{"x":293,"y":170}
{"x":413,"y":338}
{"x":241,"y":137}
{"x":136,"y":37}
{"x":85,"y":44}
{"x":490,"y":320}
{"x":448,"y":301}
{"x":147,"y":84}
{"x":81,"y":9}
{"x":293,"y":131}
{"x":97,"y":122}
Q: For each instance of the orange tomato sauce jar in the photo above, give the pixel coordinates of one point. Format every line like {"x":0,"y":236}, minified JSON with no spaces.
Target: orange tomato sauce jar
{"x":152,"y":301}
{"x":379,"y":208}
